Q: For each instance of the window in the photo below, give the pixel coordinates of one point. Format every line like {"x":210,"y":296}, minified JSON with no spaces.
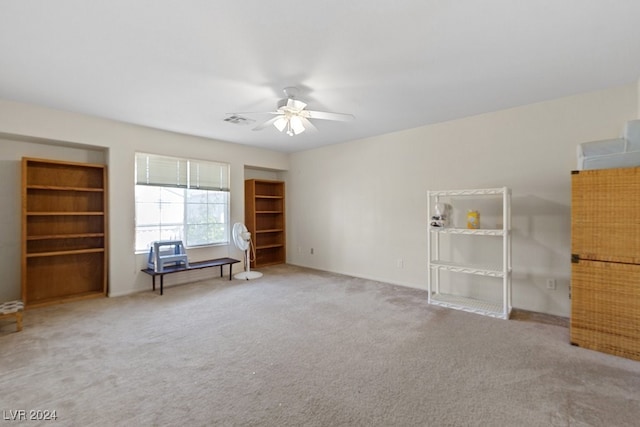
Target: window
{"x":181,"y":199}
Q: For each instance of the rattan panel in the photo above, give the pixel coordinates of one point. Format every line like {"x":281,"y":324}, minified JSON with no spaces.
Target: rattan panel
{"x":605,"y":215}
{"x":605,"y":307}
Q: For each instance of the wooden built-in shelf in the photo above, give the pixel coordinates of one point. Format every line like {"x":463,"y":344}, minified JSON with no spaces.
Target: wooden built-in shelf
{"x":275,"y":245}
{"x":58,"y":188}
{"x":65,"y":236}
{"x":265,"y":219}
{"x":67,"y":298}
{"x":63,"y":213}
{"x":59,"y":253}
{"x":64,"y":231}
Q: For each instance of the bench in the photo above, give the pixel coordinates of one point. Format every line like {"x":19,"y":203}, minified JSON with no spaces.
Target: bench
{"x":12,"y":309}
{"x":219,"y":262}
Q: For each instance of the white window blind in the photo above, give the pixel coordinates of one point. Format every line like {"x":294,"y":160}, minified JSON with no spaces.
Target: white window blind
{"x":209,"y":176}
{"x":152,"y":169}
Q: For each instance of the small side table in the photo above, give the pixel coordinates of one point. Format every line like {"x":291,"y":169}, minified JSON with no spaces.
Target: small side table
{"x":12,"y":309}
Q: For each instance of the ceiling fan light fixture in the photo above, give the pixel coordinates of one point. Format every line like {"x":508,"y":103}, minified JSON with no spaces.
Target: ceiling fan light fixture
{"x":293,"y":125}
{"x":281,"y":123}
{"x":296,"y":125}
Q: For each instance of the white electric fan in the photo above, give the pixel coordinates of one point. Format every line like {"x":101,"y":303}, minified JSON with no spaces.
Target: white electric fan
{"x":242,"y":240}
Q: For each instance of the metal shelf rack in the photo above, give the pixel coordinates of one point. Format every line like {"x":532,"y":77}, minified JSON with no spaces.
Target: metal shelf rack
{"x":501,"y":270}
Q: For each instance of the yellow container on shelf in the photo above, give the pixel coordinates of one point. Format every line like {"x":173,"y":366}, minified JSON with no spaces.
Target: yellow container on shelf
{"x":473,"y":219}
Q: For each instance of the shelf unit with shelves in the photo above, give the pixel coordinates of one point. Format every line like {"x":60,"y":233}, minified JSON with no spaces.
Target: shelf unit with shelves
{"x":64,"y":231}
{"x":500,"y":269}
{"x":265,"y":219}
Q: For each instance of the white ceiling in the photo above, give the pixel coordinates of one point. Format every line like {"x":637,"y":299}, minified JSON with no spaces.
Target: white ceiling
{"x":394,"y":64}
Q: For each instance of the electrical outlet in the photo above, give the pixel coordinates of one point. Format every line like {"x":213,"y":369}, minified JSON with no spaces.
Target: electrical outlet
{"x":399,"y":263}
{"x":551,"y":284}
{"x":311,"y":251}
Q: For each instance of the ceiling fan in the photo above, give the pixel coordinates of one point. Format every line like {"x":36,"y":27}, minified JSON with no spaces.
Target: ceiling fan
{"x":292,"y":117}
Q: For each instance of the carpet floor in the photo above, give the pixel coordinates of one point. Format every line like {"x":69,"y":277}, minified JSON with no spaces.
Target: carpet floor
{"x":301,"y":347}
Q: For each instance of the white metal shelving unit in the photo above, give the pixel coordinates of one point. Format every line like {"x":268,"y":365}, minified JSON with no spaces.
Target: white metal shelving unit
{"x":502,"y":270}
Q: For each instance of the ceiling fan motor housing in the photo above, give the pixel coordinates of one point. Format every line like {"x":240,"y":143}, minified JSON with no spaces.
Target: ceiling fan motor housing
{"x":282,"y":103}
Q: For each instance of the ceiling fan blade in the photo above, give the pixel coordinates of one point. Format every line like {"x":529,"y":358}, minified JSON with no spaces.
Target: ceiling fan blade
{"x":323,"y":115}
{"x":254,"y":112}
{"x":267,"y":123}
{"x":308,"y":125}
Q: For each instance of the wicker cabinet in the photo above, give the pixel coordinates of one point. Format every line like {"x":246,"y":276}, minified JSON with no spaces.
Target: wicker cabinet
{"x":265,"y":218}
{"x":499,"y":268}
{"x":605,"y":273}
{"x":64,"y":237}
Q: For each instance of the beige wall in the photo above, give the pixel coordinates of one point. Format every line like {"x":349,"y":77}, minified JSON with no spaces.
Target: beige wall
{"x":638,"y":99}
{"x":361,"y":205}
{"x":63,"y":135}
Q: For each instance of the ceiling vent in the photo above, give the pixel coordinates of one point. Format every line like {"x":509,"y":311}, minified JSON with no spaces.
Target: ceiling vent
{"x":238,"y":120}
